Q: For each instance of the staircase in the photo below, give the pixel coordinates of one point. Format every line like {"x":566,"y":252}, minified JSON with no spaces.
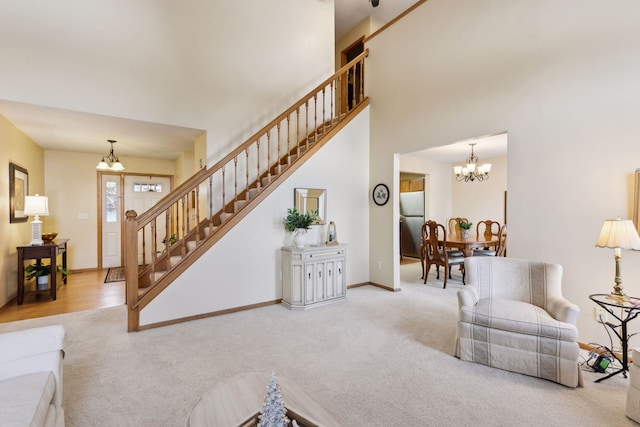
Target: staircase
{"x":164,"y":241}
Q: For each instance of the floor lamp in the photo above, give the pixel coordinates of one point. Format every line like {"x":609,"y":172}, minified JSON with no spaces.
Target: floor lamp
{"x":36,"y":206}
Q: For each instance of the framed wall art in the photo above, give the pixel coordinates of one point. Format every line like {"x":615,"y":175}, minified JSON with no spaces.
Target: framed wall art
{"x":18,"y":189}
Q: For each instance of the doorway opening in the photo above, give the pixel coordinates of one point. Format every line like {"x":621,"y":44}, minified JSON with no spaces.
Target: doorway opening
{"x":352,"y":85}
{"x":117,"y":194}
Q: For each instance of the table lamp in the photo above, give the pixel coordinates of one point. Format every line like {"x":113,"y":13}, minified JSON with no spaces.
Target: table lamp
{"x":36,"y":206}
{"x":618,"y":234}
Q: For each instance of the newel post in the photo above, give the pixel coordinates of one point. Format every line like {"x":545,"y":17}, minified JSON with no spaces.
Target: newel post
{"x":131,"y":268}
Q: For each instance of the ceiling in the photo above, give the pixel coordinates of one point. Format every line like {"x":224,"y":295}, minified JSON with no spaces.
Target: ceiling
{"x":485,"y":148}
{"x":64,"y":130}
{"x":350,"y":12}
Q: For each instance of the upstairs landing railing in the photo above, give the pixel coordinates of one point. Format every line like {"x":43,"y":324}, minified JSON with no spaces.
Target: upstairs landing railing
{"x":165,"y":240}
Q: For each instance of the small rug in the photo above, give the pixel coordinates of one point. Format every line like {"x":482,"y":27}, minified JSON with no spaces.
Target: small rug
{"x":114,"y":275}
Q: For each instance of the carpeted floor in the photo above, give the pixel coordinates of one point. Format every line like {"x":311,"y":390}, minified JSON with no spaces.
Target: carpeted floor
{"x":115,"y":274}
{"x":377,"y":359}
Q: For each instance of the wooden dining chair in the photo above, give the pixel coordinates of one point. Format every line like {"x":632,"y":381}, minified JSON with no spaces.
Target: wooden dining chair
{"x":489,"y":230}
{"x":424,"y":233}
{"x":454,"y":229}
{"x":436,"y":254}
{"x":502,"y":238}
{"x":454,"y":225}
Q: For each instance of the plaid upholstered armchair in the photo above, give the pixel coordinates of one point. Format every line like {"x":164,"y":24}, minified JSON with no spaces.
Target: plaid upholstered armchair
{"x":513,"y":317}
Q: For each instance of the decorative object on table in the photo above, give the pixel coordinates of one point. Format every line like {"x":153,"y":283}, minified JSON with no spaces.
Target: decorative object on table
{"x":471,"y":171}
{"x":311,"y":200}
{"x":110,"y":161}
{"x":49,"y":237}
{"x":18,"y":189}
{"x":618,"y":234}
{"x":273,"y":412}
{"x":41,"y":273}
{"x":465,"y":228}
{"x":36,"y":206}
{"x":380,"y":194}
{"x":299,"y":223}
{"x":332,"y":234}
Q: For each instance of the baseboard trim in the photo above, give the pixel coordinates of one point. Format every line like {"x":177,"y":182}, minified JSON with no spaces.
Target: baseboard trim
{"x":210,"y":314}
{"x":242,"y":308}
{"x":357,"y":285}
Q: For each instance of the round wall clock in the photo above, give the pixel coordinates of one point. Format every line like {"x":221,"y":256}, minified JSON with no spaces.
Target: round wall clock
{"x":380,"y":194}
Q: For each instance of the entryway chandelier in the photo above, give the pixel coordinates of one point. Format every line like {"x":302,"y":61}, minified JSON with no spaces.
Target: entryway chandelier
{"x":472,"y":171}
{"x":110,"y":162}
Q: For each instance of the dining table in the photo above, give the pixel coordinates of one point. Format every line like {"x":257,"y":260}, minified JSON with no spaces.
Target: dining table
{"x":468,"y":244}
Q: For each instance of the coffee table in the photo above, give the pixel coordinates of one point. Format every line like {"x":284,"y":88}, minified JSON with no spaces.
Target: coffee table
{"x":237,"y":402}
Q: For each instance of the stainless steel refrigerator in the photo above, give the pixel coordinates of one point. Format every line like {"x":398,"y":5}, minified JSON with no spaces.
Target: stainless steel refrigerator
{"x":411,"y":220}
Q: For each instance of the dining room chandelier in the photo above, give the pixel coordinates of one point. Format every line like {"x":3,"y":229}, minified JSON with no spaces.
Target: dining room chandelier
{"x":472,"y":171}
{"x":111,"y":161}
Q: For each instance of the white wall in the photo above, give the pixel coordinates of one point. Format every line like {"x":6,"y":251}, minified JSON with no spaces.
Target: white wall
{"x":562,"y":79}
{"x":244,"y":266}
{"x":71,"y":186}
{"x":448,"y":198}
{"x":484,"y":200}
{"x":225,"y":66}
{"x":229,"y":66}
{"x":15,"y":147}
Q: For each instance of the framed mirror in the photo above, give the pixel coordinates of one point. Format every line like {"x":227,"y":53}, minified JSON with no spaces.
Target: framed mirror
{"x":311,"y":199}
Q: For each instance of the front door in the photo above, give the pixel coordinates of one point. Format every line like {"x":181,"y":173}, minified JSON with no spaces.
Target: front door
{"x":119,"y":193}
{"x":141,"y":193}
{"x":111,"y":221}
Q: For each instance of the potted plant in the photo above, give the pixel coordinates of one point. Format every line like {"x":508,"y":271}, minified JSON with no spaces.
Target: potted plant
{"x":41,"y":273}
{"x":464,"y":228}
{"x":299,"y":223}
{"x":172,"y":241}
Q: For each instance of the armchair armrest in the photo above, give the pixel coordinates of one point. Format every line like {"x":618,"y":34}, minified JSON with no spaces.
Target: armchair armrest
{"x":30,"y":342}
{"x":34,"y":350}
{"x":562,"y":310}
{"x":468,"y":296}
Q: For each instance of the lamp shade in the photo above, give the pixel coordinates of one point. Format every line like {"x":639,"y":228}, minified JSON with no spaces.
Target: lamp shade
{"x":36,"y":205}
{"x":618,"y":233}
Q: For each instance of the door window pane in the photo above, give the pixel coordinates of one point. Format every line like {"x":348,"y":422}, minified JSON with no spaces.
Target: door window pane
{"x":111,"y":197}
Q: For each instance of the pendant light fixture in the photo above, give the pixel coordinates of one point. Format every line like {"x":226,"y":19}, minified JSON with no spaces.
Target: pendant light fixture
{"x":110,"y":162}
{"x":472,"y":171}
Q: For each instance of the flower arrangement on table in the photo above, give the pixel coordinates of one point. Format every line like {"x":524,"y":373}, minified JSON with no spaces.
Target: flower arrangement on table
{"x":464,"y":225}
{"x":299,"y":223}
{"x":296,"y":220}
{"x":464,"y":228}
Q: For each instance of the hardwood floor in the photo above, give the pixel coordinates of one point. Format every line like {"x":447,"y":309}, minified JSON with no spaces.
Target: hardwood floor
{"x":83,"y":291}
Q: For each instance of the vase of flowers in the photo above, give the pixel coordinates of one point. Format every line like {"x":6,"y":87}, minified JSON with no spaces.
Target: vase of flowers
{"x":465,"y":228}
{"x":299,"y":223}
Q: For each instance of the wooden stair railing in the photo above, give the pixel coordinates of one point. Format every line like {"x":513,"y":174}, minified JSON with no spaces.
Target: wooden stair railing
{"x":164,"y":241}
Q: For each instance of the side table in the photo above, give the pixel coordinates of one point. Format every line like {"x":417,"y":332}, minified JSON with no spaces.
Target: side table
{"x":49,"y":250}
{"x":629,"y":310}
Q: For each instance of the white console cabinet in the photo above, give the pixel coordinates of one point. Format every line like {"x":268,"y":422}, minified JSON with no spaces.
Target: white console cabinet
{"x":313,"y":276}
